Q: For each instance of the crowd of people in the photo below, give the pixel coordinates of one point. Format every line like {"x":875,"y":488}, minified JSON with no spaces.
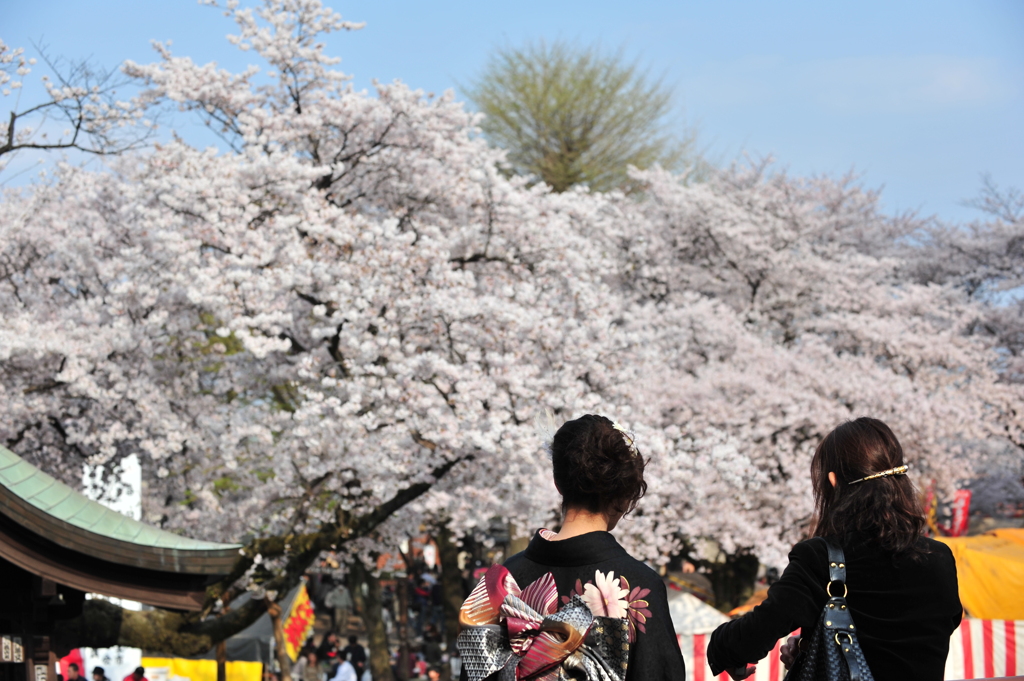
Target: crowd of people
{"x":330,"y":661}
{"x":421,"y":632}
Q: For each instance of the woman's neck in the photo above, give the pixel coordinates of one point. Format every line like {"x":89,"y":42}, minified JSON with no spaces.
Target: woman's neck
{"x":578,"y":521}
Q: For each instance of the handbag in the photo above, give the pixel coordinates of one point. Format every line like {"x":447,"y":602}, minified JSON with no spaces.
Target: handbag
{"x":832,"y":652}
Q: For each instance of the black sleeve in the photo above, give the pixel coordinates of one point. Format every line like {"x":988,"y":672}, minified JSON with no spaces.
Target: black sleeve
{"x":655,"y":654}
{"x":954,"y":609}
{"x":794,"y":601}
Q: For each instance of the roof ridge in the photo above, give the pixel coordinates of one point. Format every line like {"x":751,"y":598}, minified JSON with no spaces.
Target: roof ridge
{"x":40,"y":490}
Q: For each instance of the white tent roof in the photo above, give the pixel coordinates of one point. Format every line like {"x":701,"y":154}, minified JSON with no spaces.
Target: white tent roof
{"x":690,"y":615}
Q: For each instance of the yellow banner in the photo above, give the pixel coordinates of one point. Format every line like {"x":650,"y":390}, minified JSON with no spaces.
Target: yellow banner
{"x":298,"y":626}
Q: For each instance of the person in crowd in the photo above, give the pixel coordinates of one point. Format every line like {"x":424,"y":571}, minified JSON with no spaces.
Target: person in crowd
{"x":433,"y":674}
{"x":73,"y":673}
{"x":419,"y":665}
{"x":455,"y":664}
{"x":99,"y":674}
{"x":902,"y":586}
{"x":339,"y":601}
{"x":420,"y":603}
{"x":387,"y":603}
{"x":327,"y":651}
{"x":432,"y":651}
{"x":342,"y":671}
{"x":437,"y":605}
{"x":599,"y":473}
{"x":355,"y":654}
{"x":138,"y":675}
{"x":306,"y":669}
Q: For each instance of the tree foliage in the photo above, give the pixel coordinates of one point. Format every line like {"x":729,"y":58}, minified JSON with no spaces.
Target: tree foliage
{"x":570,"y":116}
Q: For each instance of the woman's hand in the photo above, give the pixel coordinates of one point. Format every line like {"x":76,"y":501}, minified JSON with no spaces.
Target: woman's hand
{"x":742,"y":672}
{"x":789,"y":651}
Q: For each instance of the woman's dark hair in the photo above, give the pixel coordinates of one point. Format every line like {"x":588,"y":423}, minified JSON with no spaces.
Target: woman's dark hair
{"x":887,"y":509}
{"x":596,"y":468}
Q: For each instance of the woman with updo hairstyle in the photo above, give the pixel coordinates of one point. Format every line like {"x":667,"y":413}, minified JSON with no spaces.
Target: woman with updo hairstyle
{"x":600,"y":475}
{"x":901,"y":586}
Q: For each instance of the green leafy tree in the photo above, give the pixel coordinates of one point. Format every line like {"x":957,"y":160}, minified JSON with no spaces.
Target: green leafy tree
{"x":569,"y":115}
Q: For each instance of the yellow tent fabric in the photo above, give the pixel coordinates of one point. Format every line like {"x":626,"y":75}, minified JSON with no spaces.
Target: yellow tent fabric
{"x":1011,"y":533}
{"x":199,"y":670}
{"x":990,"y":570}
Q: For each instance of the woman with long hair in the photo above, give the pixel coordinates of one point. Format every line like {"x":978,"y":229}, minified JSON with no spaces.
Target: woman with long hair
{"x":574,"y":604}
{"x":902,"y":587}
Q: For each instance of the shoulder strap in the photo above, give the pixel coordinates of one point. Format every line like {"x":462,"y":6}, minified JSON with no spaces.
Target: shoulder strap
{"x":838,"y":618}
{"x":836,"y":562}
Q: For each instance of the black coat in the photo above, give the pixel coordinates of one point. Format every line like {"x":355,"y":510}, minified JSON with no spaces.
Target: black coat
{"x":654,"y":655}
{"x":905,"y":610}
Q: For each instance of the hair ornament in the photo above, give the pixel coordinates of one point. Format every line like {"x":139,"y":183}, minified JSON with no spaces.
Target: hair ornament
{"x":899,"y":470}
{"x":627,"y":436}
{"x":545,"y":426}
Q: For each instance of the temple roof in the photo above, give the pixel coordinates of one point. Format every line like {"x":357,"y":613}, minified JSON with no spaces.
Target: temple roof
{"x":54,"y":511}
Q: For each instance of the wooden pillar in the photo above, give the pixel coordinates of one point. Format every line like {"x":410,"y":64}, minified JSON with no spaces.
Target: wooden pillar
{"x":222,"y":660}
{"x":283,"y":661}
{"x":222,"y":656}
{"x":402,"y":596}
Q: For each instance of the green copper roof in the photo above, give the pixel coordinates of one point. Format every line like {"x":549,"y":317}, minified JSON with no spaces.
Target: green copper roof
{"x":60,"y":514}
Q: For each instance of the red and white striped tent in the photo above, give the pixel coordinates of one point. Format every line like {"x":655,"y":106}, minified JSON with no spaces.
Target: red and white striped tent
{"x":986,"y":649}
{"x":978,"y":649}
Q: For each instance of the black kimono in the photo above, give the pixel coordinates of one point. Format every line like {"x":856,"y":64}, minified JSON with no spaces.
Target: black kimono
{"x":595,"y":566}
{"x":905,"y":610}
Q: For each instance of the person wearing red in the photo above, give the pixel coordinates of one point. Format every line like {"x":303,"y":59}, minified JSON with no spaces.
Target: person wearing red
{"x":138,"y":675}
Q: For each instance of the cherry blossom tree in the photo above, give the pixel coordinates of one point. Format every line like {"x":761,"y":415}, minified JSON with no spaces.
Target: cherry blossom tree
{"x":771,"y":312}
{"x":344,"y":325}
{"x":301,"y":335}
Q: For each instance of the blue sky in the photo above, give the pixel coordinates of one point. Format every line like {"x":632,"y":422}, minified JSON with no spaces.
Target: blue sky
{"x":920,"y":98}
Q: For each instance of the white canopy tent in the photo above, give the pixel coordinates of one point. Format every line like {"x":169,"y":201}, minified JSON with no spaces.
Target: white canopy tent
{"x":690,"y":615}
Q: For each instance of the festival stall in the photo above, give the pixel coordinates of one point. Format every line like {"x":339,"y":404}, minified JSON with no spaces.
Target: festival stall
{"x":986,"y":649}
{"x":181,"y":669}
{"x":694,"y":620}
{"x":990,"y":571}
{"x":248,"y":650}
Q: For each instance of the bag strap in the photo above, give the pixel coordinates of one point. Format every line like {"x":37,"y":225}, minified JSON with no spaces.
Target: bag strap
{"x":839,"y":624}
{"x":836,"y":563}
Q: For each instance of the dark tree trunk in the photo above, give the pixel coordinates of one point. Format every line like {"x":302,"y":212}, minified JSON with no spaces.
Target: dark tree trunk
{"x":451,"y":584}
{"x":371,"y":607}
{"x":402,"y":599}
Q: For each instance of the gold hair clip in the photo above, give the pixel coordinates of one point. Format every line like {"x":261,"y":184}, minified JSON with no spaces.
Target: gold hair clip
{"x":899,"y":470}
